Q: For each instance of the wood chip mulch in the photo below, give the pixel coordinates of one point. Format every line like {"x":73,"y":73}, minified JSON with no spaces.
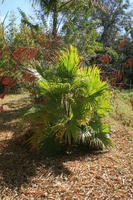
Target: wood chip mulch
{"x":77,"y":176}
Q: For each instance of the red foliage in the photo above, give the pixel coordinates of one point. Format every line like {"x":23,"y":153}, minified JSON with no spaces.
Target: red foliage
{"x":28,"y":77}
{"x":103,"y":76}
{"x":4,"y":93}
{"x":50,"y":46}
{"x":27,"y":54}
{"x":41,"y":39}
{"x":116,"y":76}
{"x":120,"y":86}
{"x":12,"y":59}
{"x":123,"y":43}
{"x":130,"y":62}
{"x":105,"y":59}
{"x":8,"y":82}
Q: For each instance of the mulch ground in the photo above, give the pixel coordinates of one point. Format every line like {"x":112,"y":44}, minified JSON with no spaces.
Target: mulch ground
{"x":76,"y":176}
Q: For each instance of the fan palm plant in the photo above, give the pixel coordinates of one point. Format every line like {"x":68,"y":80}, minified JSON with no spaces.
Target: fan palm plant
{"x":74,"y":105}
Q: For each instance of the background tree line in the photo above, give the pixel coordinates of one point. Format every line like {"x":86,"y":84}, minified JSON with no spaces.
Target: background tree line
{"x":101,"y":30}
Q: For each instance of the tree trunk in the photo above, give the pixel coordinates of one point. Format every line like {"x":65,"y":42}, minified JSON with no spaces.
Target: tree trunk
{"x":55,"y":19}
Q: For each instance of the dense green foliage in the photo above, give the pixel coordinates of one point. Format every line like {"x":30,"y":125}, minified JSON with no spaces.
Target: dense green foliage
{"x":73,"y":105}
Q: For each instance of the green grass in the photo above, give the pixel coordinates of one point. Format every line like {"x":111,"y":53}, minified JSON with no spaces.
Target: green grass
{"x":122,"y":109}
{"x":13,"y":104}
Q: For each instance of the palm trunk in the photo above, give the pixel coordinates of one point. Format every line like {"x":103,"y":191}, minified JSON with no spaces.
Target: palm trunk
{"x":55,"y":19}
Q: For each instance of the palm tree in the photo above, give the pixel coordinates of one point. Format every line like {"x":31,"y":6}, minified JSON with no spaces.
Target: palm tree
{"x":53,"y":7}
{"x":56,"y":6}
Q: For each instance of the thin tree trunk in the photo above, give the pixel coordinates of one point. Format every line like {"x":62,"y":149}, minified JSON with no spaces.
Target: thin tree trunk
{"x":55,"y":19}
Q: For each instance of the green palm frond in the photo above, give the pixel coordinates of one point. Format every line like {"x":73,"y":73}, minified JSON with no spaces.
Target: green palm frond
{"x":46,"y":5}
{"x":72,"y":98}
{"x":68,"y":63}
{"x":26,"y":21}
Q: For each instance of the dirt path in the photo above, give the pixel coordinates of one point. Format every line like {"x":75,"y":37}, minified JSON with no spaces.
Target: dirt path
{"x":98,"y":176}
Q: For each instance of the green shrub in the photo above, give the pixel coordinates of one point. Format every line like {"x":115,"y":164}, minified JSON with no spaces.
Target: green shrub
{"x":74,"y":104}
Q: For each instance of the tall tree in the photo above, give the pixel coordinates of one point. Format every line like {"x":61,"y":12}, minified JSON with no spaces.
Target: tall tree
{"x":52,"y":7}
{"x":12,"y":29}
{"x":112,"y":22}
{"x":80,"y":29}
{"x":56,"y":7}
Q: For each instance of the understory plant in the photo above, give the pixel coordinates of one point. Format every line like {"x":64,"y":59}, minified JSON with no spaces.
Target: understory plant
{"x":72,"y":105}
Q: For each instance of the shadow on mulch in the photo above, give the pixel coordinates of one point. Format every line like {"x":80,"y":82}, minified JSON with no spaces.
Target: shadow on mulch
{"x":9,"y":116}
{"x":18,"y":165}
